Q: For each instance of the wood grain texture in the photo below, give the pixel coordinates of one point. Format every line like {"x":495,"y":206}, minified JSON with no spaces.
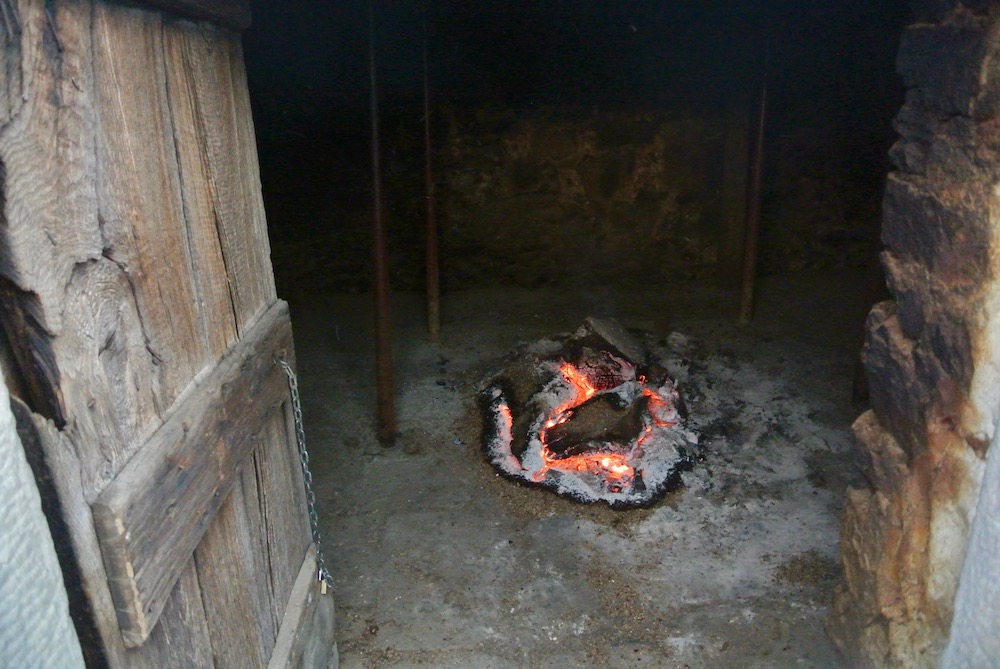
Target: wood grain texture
{"x":231,"y":556}
{"x":227,"y":150}
{"x":50,"y":208}
{"x":151,"y":518}
{"x":139,"y":193}
{"x":51,"y":251}
{"x":135,"y":242}
{"x":108,"y":375}
{"x":306,"y":637}
{"x":224,"y":151}
{"x":12,"y":91}
{"x":218,"y":317}
{"x":265,"y":525}
{"x":233,"y":14}
{"x":29,"y":348}
{"x":287,"y":530}
{"x":183,"y":641}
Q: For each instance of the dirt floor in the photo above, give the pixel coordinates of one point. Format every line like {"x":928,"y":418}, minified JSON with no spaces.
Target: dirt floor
{"x":438,"y":562}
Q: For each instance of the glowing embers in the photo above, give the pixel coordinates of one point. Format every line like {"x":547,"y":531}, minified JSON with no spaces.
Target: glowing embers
{"x":590,"y":417}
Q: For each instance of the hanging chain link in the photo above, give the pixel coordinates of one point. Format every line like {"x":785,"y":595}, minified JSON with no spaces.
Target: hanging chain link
{"x":322,"y":574}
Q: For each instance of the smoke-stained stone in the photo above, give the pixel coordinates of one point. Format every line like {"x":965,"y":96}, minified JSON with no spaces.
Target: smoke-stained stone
{"x":964,"y":152}
{"x":949,"y":337}
{"x":907,"y":282}
{"x":945,"y":226}
{"x":897,"y":395}
{"x":930,"y":11}
{"x":883,"y":462}
{"x":939,"y":316}
{"x":949,"y":68}
{"x":930,"y":354}
{"x":916,"y":130}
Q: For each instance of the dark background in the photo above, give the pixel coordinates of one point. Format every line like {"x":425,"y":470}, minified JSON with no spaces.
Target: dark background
{"x":830,"y":69}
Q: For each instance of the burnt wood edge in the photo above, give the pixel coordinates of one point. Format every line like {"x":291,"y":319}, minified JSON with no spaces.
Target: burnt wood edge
{"x":151,"y":517}
{"x":80,"y":610}
{"x":234,"y":14}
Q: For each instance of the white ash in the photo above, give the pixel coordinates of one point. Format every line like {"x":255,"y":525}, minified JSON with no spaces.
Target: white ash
{"x":657,"y":454}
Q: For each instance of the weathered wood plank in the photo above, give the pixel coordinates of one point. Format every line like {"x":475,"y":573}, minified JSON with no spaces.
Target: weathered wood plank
{"x":228,"y":151}
{"x":101,"y":171}
{"x":204,"y":117}
{"x":139,"y":192}
{"x":242,"y":524}
{"x":84,"y":330}
{"x":283,"y":494}
{"x":151,"y":518}
{"x":258,"y":537}
{"x":306,"y":637}
{"x":231,"y":555}
{"x":212,"y":280}
{"x":12,"y":86}
{"x":233,"y":14}
{"x":259,"y":270}
{"x":84,"y":322}
{"x":182,"y":640}
{"x":108,"y":375}
{"x":46,"y":130}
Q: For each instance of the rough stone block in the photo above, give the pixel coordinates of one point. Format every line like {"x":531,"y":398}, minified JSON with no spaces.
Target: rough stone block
{"x":882,"y":460}
{"x":857,"y":623}
{"x":898,"y":395}
{"x":913,"y":645}
{"x":880,"y":616}
{"x":963,"y":150}
{"x":947,"y":358}
{"x":934,"y":11}
{"x":947,"y":67}
{"x":916,"y":133}
{"x":947,"y":227}
{"x":955,"y":149}
{"x":956,"y":474}
{"x":907,"y":282}
{"x":937,"y":314}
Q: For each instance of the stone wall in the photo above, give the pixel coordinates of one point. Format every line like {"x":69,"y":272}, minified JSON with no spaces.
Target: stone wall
{"x":931,"y":354}
{"x":555,"y":196}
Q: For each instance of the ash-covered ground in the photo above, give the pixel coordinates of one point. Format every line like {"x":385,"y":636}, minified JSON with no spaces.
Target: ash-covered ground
{"x":439,"y":562}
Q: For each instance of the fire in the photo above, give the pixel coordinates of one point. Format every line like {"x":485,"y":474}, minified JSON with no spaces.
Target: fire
{"x":584,"y":391}
{"x":589,"y":421}
{"x":613,"y":468}
{"x":584,"y":388}
{"x":662,"y":411}
{"x":507,"y":418}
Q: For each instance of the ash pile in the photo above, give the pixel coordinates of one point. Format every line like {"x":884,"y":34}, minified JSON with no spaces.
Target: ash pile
{"x":590,"y":416}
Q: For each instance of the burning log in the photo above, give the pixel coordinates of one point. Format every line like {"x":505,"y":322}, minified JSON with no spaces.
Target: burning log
{"x":601,"y":419}
{"x":589,"y":416}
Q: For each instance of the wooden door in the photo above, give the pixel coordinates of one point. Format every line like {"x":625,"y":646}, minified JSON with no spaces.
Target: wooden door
{"x":142,"y":328}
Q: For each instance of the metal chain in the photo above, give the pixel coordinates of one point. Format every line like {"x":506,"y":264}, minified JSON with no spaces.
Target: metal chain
{"x":322,"y":574}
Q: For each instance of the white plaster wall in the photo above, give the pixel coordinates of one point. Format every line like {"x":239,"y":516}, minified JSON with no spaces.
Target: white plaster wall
{"x":975,"y":630}
{"x":35,"y":627}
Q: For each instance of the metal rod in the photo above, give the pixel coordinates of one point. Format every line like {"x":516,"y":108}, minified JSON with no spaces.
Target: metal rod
{"x":751,"y":248}
{"x":433,"y":273}
{"x":385,"y":391}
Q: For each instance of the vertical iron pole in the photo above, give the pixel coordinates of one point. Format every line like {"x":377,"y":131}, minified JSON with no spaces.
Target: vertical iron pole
{"x":385,"y":391}
{"x":433,"y":277}
{"x":751,"y":248}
